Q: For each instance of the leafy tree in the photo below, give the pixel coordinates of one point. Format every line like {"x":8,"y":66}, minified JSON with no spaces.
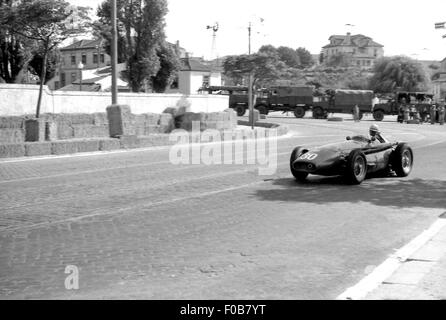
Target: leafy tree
{"x":339,"y":59}
{"x":402,"y":72}
{"x":13,"y":58}
{"x":36,"y":64}
{"x":289,"y":56}
{"x":268,"y":49}
{"x":169,"y":66}
{"x":46,"y":23}
{"x":305,"y":58}
{"x":141,"y":34}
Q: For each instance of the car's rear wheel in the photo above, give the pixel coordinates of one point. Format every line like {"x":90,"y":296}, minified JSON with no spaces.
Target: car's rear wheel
{"x":299,"y":112}
{"x":378,"y":115}
{"x":297,"y":152}
{"x":356,"y":169}
{"x":402,"y":160}
{"x":241,"y":110}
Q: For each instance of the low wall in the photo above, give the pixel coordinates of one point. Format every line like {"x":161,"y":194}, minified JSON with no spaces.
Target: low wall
{"x":20,"y":99}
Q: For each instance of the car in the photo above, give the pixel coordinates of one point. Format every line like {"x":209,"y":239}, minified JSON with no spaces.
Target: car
{"x":354,"y":159}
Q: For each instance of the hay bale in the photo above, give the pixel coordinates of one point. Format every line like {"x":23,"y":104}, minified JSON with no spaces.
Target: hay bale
{"x":37,"y":148}
{"x":35,"y":130}
{"x":109,"y":144}
{"x":12,"y":135}
{"x":90,"y":145}
{"x":12,"y":150}
{"x":12,"y":122}
{"x":89,"y":131}
{"x":64,"y":147}
{"x":129,"y":142}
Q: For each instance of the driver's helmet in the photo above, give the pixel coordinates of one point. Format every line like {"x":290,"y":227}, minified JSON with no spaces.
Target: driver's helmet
{"x":374,"y":130}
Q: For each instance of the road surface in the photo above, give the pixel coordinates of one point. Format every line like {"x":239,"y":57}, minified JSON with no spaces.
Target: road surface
{"x":138,"y":227}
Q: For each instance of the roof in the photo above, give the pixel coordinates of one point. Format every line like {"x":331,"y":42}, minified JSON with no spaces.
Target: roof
{"x":357,"y":40}
{"x":193,"y":64}
{"x":83,"y":44}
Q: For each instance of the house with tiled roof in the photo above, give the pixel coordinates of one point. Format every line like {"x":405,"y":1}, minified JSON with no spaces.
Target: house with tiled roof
{"x":362,"y":49}
{"x":439,"y":81}
{"x":194,"y":74}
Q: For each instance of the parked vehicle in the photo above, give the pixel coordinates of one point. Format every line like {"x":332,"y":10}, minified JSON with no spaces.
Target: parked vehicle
{"x":419,"y":103}
{"x":342,"y":101}
{"x":238,"y":96}
{"x":297,"y":99}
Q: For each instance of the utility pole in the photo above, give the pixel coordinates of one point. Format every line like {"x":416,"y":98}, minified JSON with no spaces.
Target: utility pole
{"x":251,"y":107}
{"x":114,"y":55}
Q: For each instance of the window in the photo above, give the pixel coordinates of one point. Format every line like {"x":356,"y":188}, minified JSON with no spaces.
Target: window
{"x":73,"y":60}
{"x":73,"y":76}
{"x":206,"y":80}
{"x":95,"y":58}
{"x":62,"y":79}
{"x":375,"y":53}
{"x":368,"y":62}
{"x":358,"y":62}
{"x":84,"y":58}
{"x":102,"y":58}
{"x":174,"y":84}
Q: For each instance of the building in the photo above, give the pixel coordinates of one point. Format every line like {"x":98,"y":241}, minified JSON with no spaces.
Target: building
{"x":90,"y":53}
{"x":193,"y":75}
{"x":439,"y":82}
{"x":362,"y":49}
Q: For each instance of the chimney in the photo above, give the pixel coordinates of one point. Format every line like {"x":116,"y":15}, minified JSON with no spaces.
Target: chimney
{"x":348,"y":39}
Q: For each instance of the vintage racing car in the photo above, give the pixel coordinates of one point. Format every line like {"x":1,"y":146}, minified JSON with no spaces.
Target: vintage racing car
{"x":353,"y":159}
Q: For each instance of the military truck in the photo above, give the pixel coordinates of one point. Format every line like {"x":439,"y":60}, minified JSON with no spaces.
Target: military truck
{"x":296,"y":99}
{"x":342,"y":101}
{"x":392,"y":104}
{"x":238,"y":96}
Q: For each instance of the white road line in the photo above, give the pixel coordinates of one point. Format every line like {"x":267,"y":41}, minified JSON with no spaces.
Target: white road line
{"x":389,"y":266}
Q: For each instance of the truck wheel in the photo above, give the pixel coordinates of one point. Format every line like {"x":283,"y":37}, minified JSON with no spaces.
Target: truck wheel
{"x":297,"y":152}
{"x":262,"y":109}
{"x":241,"y":110}
{"x":299,"y":112}
{"x":402,"y":160}
{"x":318,"y":113}
{"x":356,"y":169}
{"x":378,"y":115}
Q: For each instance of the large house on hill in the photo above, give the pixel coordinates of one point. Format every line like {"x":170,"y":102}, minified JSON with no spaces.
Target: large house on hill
{"x":362,"y":49}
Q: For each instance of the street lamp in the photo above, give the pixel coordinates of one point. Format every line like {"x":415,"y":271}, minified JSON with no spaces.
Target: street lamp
{"x":80,"y":66}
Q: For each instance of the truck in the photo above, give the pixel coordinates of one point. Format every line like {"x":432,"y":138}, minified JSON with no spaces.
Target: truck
{"x":392,"y":104}
{"x":296,"y":99}
{"x":238,"y":96}
{"x":342,"y":101}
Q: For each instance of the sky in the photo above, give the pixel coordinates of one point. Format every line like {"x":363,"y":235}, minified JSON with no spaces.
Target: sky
{"x":404,"y":27}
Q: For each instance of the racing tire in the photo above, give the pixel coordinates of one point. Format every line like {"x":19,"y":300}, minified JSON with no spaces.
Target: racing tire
{"x":318,"y":113}
{"x":241,"y":110}
{"x":378,"y":115}
{"x":262,"y":109}
{"x":299,"y":112}
{"x":361,"y":115}
{"x":356,"y":169}
{"x":402,"y":160}
{"x":297,"y":152}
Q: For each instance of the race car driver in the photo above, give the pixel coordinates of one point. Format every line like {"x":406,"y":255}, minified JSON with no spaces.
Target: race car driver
{"x":375,"y":135}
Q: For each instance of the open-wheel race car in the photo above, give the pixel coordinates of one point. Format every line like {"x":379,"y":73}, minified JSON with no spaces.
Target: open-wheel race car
{"x":353,"y":159}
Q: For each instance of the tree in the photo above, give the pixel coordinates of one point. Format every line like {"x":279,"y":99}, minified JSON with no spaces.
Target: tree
{"x":13,"y":58}
{"x":46,"y":24}
{"x":169,"y":66}
{"x":289,"y":56}
{"x":36,"y":64}
{"x":141,"y":35}
{"x":400,"y":72}
{"x":305,"y":58}
{"x":264,"y":66}
{"x":339,"y":59}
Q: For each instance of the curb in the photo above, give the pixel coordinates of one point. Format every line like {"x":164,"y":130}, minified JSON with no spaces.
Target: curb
{"x":75,"y":146}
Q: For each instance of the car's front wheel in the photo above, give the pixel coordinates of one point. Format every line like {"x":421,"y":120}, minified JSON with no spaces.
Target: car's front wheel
{"x":297,"y":152}
{"x":241,"y":110}
{"x":356,"y":169}
{"x":402,"y":160}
